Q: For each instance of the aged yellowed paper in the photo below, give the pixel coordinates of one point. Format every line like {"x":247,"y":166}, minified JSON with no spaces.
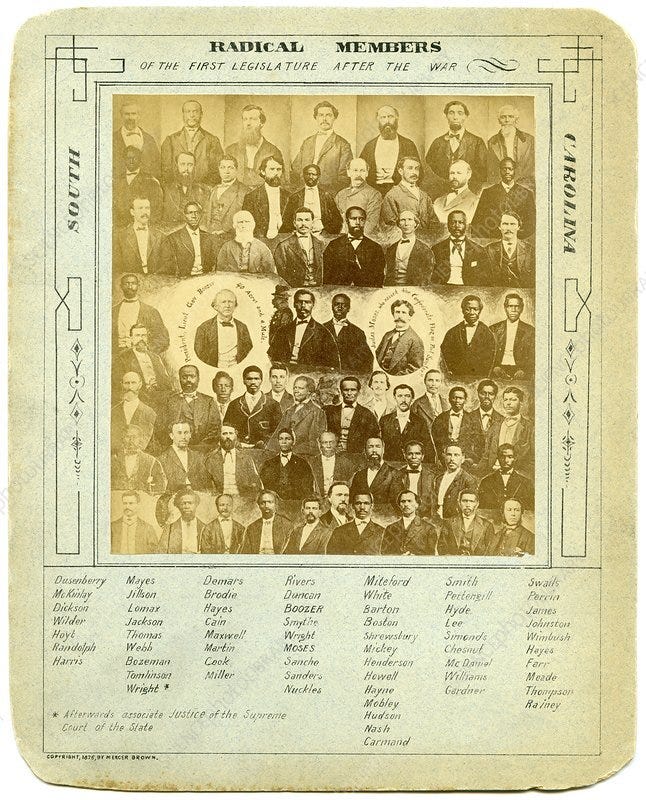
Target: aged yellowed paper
{"x":330,"y":480}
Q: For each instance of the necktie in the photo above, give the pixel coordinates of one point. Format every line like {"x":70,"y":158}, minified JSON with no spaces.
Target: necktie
{"x":190,"y":396}
{"x":486,"y":421}
{"x":302,"y":321}
{"x":227,"y":324}
{"x":404,"y":241}
{"x":349,"y":405}
{"x":412,"y":471}
{"x":454,"y":135}
{"x":455,"y":413}
{"x":355,"y":238}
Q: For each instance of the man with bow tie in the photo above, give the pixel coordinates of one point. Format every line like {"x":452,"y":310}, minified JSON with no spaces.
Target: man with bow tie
{"x":362,"y":536}
{"x":299,"y":258}
{"x":469,"y":349}
{"x":232,"y":471}
{"x":459,"y":197}
{"x":350,"y":421}
{"x":131,"y":134}
{"x":378,"y":478}
{"x":354,"y":259}
{"x":409,"y":262}
{"x":330,"y":466}
{"x":304,"y":342}
{"x":354,"y":353}
{"x":286,"y":473}
{"x":182,"y":466}
{"x":267,"y":535}
{"x":192,"y":138}
{"x":457,"y":426}
{"x":514,"y":429}
{"x":512,"y":539}
{"x":184,"y":189}
{"x":138,"y":247}
{"x":130,"y":311}
{"x":223,"y":341}
{"x":189,"y":251}
{"x":410,"y":535}
{"x":327,"y":220}
{"x":512,"y":260}
{"x":245,"y":253}
{"x":401,"y":350}
{"x":407,"y":196}
{"x":507,"y":195}
{"x":458,"y":144}
{"x":254,"y":415}
{"x":458,"y":260}
{"x":419,"y":478}
{"x":310,"y":537}
{"x":130,"y":534}
{"x":506,"y":483}
{"x":403,"y":425}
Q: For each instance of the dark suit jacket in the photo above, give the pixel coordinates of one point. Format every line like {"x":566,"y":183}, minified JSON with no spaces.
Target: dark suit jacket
{"x":408,"y":355}
{"x":523,"y":344}
{"x":333,"y":162}
{"x":345,"y":266}
{"x":150,"y":318}
{"x":318,"y":348}
{"x":177,"y":477}
{"x":471,"y":438}
{"x":307,"y":423}
{"x":419,"y":540}
{"x":145,"y":537}
{"x":505,"y":544}
{"x":203,"y":415}
{"x":315,"y":543}
{"x":127,"y":361}
{"x":346,"y":541}
{"x":493,"y":201}
{"x":253,"y":426}
{"x":291,"y":264}
{"x":523,"y":447}
{"x":206,"y":341}
{"x":344,"y":469}
{"x":207,"y":151}
{"x":256,"y":203}
{"x":175,"y":198}
{"x":252,"y":177}
{"x":526,"y":265}
{"x":394,"y":439}
{"x":220,"y":211}
{"x":150,"y":158}
{"x":472,"y":150}
{"x":422,"y":407}
{"x":171,"y":538}
{"x":425,"y":489}
{"x":355,"y":355}
{"x":476,"y":269}
{"x":144,"y":418}
{"x":419,"y":271}
{"x":463,"y":480}
{"x":493,"y":492}
{"x":281,"y":529}
{"x":142,"y":185}
{"x":523,"y":155}
{"x":178,"y":253}
{"x":147,"y":477}
{"x":364,"y":425}
{"x":215,"y":539}
{"x":385,"y":487}
{"x":247,"y":478}
{"x":330,"y":216}
{"x":125,"y":251}
{"x":478,"y":540}
{"x":286,"y":401}
{"x":298,"y":481}
{"x":474,"y":416}
{"x":330,"y":522}
{"x":464,"y":360}
{"x":407,"y":148}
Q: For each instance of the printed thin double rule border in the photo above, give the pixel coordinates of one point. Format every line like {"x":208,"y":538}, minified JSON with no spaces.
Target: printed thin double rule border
{"x":312,"y":86}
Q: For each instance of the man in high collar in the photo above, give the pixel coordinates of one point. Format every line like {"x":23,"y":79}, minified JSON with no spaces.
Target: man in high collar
{"x":410,"y":535}
{"x":458,"y":260}
{"x":156,"y":383}
{"x":305,"y":419}
{"x":192,"y":138}
{"x":451,"y":481}
{"x":299,"y":258}
{"x":225,"y":533}
{"x":223,"y":341}
{"x":469,"y":349}
{"x":514,"y":429}
{"x":458,"y":144}
{"x":184,"y":189}
{"x":254,"y":416}
{"x":226,"y":200}
{"x":186,"y":534}
{"x":382,"y":154}
{"x":133,"y":469}
{"x":268,"y":534}
{"x":131,"y":311}
{"x":512,"y":260}
{"x":135,"y":182}
{"x":329,"y":151}
{"x":245,"y":253}
{"x":338,"y":497}
{"x":189,"y":405}
{"x":507,"y":195}
{"x":431,"y":404}
{"x":182,"y":466}
{"x":131,"y":535}
{"x":514,"y":342}
{"x":139,"y":246}
{"x":278,"y":377}
{"x":510,"y":142}
{"x":252,"y":147}
{"x":377,"y":477}
{"x":326,"y":216}
{"x":330,"y":465}
{"x":506,"y":482}
{"x":361,"y":536}
{"x":401,"y":350}
{"x":268,"y":201}
{"x":352,"y":422}
{"x":459,"y":197}
{"x":354,"y":259}
{"x":131,"y":134}
{"x":359,"y":194}
{"x":409,"y":262}
{"x":407,"y":196}
{"x":287,"y":474}
{"x":354,"y":353}
{"x":512,"y":538}
{"x":304,"y":343}
{"x":457,"y":426}
{"x":309,"y":537}
{"x":467,"y":533}
{"x":232,"y":471}
{"x":403,"y":425}
{"x":131,"y":411}
{"x":189,"y":251}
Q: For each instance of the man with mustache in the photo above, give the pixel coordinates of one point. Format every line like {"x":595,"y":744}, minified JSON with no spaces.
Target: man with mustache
{"x":268,"y":201}
{"x":459,"y":197}
{"x":458,"y":144}
{"x":326,"y":216}
{"x":184,"y":188}
{"x":382,"y":154}
{"x":252,"y":147}
{"x":311,"y":536}
{"x":329,"y":151}
{"x":359,"y":194}
{"x":192,"y":138}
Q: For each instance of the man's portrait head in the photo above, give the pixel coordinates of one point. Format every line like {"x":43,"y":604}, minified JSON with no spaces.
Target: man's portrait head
{"x":139,"y":337}
{"x":407,"y":222}
{"x":457,"y":224}
{"x":433,"y":381}
{"x":189,"y":378}
{"x":278,"y":374}
{"x":338,"y":496}
{"x":388,"y":121}
{"x":362,"y":504}
{"x":508,"y":118}
{"x":409,"y":169}
{"x":228,"y":437}
{"x":140,"y":211}
{"x":180,"y":434}
{"x":402,"y":311}
{"x":456,"y":113}
{"x":253,"y":119}
{"x":328,"y":441}
{"x":228,"y":168}
{"x":355,"y":218}
{"x":514,"y":306}
{"x":271,"y":169}
{"x":340,"y":306}
{"x":507,"y":168}
{"x":131,"y":385}
{"x":130,"y":116}
{"x":266,"y":501}
{"x":414,"y":454}
{"x":408,"y":503}
{"x":185,"y":163}
{"x":129,"y":284}
{"x":224,"y":505}
{"x":192,"y":114}
{"x":303,"y":388}
{"x":453,"y":457}
{"x":404,"y":396}
{"x":324,"y":115}
{"x":132,"y":158}
{"x":186,"y":501}
{"x":285,"y":440}
{"x":225,"y":303}
{"x":130,"y":504}
{"x":374,"y":449}
{"x":471,"y":306}
{"x":311,"y":509}
{"x":222,"y":385}
{"x":468,"y":502}
{"x":512,"y":399}
{"x":193,"y":215}
{"x":487,"y":393}
{"x":357,"y":171}
{"x":457,"y":398}
{"x":459,"y":175}
{"x":243,"y":225}
{"x":350,"y":388}
{"x":303,"y":221}
{"x":311,"y":175}
{"x":510,"y":224}
{"x":303,"y":303}
{"x":512,"y":513}
{"x":252,"y":378}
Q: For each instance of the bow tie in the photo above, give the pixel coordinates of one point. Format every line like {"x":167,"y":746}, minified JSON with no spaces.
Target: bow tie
{"x":341,"y":322}
{"x":191,"y":396}
{"x":511,"y":420}
{"x":348,"y":405}
{"x":412,"y":471}
{"x":355,"y":238}
{"x":302,"y":321}
{"x":141,"y":228}
{"x":456,"y":413}
{"x":454,"y":135}
{"x":227,"y":324}
{"x":404,"y":241}
{"x":458,"y":242}
{"x":484,"y":414}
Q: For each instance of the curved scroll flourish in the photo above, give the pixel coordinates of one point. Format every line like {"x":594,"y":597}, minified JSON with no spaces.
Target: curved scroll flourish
{"x":493,"y":64}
